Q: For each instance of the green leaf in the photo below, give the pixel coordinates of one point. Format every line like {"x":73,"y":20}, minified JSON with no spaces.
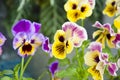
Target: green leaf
{"x":70,"y":71}
{"x":16,"y":71}
{"x":7,"y":72}
{"x":64,"y":62}
{"x":6,"y":78}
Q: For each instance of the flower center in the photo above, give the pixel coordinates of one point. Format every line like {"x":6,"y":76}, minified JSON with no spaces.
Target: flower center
{"x":27,"y":48}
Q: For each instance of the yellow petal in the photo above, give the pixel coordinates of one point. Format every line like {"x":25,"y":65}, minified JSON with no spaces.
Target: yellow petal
{"x":59,"y":50}
{"x":117,"y":22}
{"x":73,"y":15}
{"x":110,"y":43}
{"x":69,"y":46}
{"x":96,"y":33}
{"x":95,"y":73}
{"x":101,"y":39}
{"x":59,"y":36}
{"x":91,"y":58}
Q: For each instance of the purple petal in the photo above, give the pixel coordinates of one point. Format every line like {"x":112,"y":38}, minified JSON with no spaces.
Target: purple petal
{"x":108,"y":27}
{"x":19,"y":39}
{"x":2,"y":39}
{"x":46,"y":45}
{"x":112,"y":68}
{"x":53,"y":67}
{"x":37,"y":26}
{"x":95,"y":46}
{"x":104,"y":58}
{"x":23,"y":26}
{"x":98,"y":25}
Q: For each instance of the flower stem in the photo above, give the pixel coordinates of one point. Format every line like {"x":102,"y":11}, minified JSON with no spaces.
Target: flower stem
{"x":21,"y":71}
{"x":82,"y":22}
{"x":26,"y":64}
{"x":43,"y":73}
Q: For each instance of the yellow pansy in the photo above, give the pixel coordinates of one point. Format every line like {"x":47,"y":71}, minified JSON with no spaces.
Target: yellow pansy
{"x":117,"y":22}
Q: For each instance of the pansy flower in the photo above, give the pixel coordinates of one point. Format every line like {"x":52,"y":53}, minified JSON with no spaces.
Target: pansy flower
{"x":53,"y":68}
{"x":111,"y":8}
{"x":105,"y":33}
{"x":93,"y":59}
{"x":117,"y":23}
{"x":26,"y":37}
{"x":71,"y":35}
{"x":2,"y":41}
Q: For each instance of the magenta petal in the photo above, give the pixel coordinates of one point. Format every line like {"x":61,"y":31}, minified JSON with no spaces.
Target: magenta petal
{"x":104,"y":58}
{"x":37,"y":26}
{"x":53,"y":67}
{"x":95,"y":46}
{"x":108,"y":27}
{"x":46,"y":45}
{"x":112,"y":68}
{"x":2,"y":39}
{"x":23,"y":26}
{"x":98,"y":25}
{"x":19,"y":39}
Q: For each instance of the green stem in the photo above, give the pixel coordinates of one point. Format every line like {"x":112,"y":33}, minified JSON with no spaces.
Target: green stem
{"x":21,"y":71}
{"x":82,"y":22}
{"x":26,"y":64}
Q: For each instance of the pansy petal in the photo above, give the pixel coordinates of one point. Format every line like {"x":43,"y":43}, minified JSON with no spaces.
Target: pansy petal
{"x":37,"y":26}
{"x":37,"y":39}
{"x":19,"y":39}
{"x":26,"y":50}
{"x":104,"y":58}
{"x":53,"y":67}
{"x":91,"y":58}
{"x":69,"y":27}
{"x":46,"y":45}
{"x":79,"y":35}
{"x":23,"y":26}
{"x":59,"y":36}
{"x":2,"y":39}
{"x":69,"y":46}
{"x":96,"y":33}
{"x":97,"y":25}
{"x":101,"y":39}
{"x":110,"y":42}
{"x":95,"y":46}
{"x":109,"y":29}
{"x":117,"y":40}
{"x":112,"y":68}
{"x":92,"y":3}
{"x":59,"y":50}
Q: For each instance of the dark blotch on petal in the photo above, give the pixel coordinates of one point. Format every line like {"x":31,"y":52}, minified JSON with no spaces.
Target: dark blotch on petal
{"x":27,"y":48}
{"x":113,"y":3}
{"x":61,"y":38}
{"x":74,"y":6}
{"x":97,"y":59}
{"x":82,"y":9}
{"x":108,"y":36}
{"x":60,"y":48}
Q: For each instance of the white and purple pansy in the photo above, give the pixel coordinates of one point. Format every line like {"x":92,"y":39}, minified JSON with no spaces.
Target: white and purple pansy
{"x":26,"y":37}
{"x":77,"y":33}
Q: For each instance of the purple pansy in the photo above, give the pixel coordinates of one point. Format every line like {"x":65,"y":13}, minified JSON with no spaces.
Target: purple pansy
{"x":112,"y":68}
{"x":53,"y":67}
{"x":26,"y":37}
{"x":2,"y":41}
{"x":77,"y":33}
{"x":117,"y":41}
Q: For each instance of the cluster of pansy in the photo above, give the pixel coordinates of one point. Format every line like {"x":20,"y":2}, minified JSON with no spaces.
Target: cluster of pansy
{"x":71,"y":35}
{"x":97,"y":60}
{"x":2,"y":41}
{"x":27,"y":37}
{"x":79,"y":9}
